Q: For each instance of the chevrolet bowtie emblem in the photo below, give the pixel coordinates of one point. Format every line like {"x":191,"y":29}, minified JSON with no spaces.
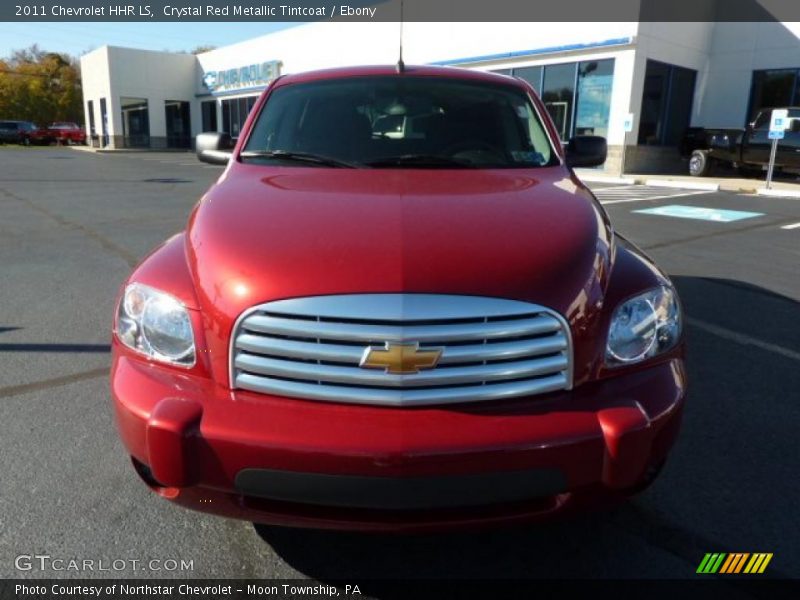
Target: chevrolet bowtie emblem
{"x":400,"y":359}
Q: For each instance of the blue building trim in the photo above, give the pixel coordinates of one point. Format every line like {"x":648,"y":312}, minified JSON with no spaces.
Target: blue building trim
{"x":535,"y":52}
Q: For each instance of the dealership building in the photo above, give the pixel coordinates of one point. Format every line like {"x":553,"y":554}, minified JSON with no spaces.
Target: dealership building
{"x":638,"y":84}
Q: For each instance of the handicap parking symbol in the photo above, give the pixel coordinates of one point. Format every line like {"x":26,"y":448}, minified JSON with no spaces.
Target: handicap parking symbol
{"x":700,"y":213}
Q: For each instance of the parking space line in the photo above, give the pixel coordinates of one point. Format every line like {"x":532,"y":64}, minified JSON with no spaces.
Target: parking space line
{"x":652,"y":198}
{"x":685,"y":185}
{"x":792,"y":226}
{"x":638,"y":193}
{"x":741,"y":338}
{"x":592,"y":178}
{"x":613,"y":187}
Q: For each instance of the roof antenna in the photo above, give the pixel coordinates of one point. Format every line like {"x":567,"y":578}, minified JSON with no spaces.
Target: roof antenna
{"x":401,"y":66}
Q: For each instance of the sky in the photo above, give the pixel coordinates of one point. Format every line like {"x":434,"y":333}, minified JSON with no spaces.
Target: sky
{"x":78,"y":38}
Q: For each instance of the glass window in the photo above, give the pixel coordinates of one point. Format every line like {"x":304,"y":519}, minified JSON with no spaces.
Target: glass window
{"x":772,"y":89}
{"x":243,"y":112}
{"x":763,"y":119}
{"x":208,"y":109}
{"x":654,"y":94}
{"x":234,"y":124}
{"x":595,"y":79}
{"x":532,"y":75}
{"x":104,"y":121}
{"x":666,"y":103}
{"x":135,"y":122}
{"x":226,"y":116}
{"x":234,"y":114}
{"x":176,"y":113}
{"x":558,"y":93}
{"x":680,"y":106}
{"x":90,"y":110}
{"x":398,"y":122}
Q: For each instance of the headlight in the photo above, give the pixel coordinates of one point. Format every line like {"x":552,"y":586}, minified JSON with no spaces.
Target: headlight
{"x":644,"y":326}
{"x":156,"y":325}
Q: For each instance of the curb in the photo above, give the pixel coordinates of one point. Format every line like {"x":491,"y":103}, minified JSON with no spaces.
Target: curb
{"x":83,"y":149}
{"x":738,"y":189}
{"x":684,"y":185}
{"x":778,"y":193}
{"x":603,"y":179}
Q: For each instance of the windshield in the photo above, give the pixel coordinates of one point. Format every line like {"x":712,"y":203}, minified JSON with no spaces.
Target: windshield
{"x":399,"y":121}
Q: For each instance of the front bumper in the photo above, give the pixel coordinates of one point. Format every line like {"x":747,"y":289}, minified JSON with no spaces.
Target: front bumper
{"x":293,"y":462}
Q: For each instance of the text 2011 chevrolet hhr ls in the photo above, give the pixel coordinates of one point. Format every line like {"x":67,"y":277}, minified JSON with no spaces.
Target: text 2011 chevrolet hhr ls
{"x":397,"y":309}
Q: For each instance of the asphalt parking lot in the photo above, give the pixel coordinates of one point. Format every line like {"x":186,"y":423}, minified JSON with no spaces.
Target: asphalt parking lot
{"x":73,"y":224}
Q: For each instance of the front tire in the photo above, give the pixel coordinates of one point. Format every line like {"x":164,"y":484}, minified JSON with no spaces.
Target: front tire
{"x":699,"y":163}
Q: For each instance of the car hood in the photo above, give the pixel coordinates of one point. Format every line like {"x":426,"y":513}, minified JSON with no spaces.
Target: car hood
{"x":264,"y":233}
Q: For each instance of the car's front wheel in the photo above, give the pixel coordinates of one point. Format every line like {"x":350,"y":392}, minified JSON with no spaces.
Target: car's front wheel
{"x":699,"y":163}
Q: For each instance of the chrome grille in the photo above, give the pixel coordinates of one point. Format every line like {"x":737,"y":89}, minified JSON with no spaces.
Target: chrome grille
{"x":311,"y":348}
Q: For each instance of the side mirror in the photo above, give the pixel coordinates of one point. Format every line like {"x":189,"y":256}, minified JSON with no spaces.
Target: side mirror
{"x":214,"y":148}
{"x":586,"y":151}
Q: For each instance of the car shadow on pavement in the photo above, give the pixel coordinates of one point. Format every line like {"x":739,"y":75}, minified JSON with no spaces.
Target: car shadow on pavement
{"x":730,"y":484}
{"x":48,"y":347}
{"x":167,"y":180}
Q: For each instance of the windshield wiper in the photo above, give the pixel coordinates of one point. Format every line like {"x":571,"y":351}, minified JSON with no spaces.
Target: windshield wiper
{"x":421,"y":160}
{"x":305,"y":157}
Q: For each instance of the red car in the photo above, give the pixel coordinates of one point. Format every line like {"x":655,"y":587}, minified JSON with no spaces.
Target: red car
{"x":67,"y":133}
{"x":397,"y":309}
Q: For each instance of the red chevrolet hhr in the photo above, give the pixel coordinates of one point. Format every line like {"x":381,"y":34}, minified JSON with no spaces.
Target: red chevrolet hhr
{"x":397,"y":309}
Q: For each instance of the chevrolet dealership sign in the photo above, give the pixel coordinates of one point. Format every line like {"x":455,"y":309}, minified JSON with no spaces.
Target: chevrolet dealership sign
{"x":242,"y":77}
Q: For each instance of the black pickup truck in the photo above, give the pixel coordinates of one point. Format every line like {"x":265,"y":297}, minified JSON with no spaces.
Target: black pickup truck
{"x":747,"y":149}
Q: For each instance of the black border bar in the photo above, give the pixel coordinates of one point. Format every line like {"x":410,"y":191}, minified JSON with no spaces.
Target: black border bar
{"x":730,"y":588}
{"x":389,"y":10}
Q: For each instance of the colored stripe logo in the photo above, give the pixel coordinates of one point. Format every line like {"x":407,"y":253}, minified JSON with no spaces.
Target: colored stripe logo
{"x":735,"y":562}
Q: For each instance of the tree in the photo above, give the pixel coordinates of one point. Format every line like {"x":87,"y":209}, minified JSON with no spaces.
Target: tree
{"x":40,"y":86}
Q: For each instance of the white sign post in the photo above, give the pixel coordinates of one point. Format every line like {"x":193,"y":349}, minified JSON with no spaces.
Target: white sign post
{"x":627,"y":126}
{"x":778,"y":125}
